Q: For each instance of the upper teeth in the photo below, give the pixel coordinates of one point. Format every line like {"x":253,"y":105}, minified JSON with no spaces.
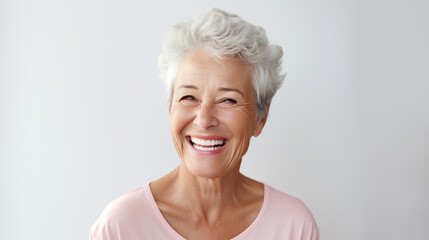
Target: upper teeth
{"x":204,"y":142}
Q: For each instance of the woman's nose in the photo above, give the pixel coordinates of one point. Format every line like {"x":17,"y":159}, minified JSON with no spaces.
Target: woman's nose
{"x":205,"y":116}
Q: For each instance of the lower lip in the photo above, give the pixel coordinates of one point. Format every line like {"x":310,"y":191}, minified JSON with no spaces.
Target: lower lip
{"x":208,"y":152}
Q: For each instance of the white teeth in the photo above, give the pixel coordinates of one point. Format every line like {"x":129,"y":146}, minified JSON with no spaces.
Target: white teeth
{"x":206,"y":143}
{"x":205,"y":148}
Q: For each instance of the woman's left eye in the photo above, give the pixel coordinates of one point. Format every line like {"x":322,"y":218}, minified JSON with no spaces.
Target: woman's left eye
{"x":229,"y":101}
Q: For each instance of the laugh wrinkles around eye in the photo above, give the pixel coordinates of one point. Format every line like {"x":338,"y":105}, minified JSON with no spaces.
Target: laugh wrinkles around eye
{"x":227,"y":102}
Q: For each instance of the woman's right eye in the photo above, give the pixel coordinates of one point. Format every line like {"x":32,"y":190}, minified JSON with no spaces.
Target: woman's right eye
{"x":187,"y":98}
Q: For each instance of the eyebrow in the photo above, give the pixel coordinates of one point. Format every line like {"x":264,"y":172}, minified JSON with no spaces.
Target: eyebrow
{"x":230,"y":90}
{"x":222,"y":89}
{"x":187,"y":86}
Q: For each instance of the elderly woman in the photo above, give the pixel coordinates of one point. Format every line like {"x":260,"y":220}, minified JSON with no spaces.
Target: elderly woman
{"x":221,"y":74}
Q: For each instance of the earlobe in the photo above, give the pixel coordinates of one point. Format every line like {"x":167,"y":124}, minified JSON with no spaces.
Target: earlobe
{"x":259,"y":126}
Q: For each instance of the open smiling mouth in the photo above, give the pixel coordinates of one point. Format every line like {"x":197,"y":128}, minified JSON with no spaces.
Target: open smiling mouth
{"x":205,"y":144}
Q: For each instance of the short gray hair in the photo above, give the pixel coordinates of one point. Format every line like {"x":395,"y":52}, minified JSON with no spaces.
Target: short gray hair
{"x":222,"y":34}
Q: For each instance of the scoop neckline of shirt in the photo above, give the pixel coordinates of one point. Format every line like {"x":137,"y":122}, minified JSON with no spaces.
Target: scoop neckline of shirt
{"x":175,"y":234}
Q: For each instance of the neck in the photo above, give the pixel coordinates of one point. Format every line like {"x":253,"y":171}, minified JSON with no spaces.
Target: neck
{"x":209,"y":190}
{"x":207,"y":198}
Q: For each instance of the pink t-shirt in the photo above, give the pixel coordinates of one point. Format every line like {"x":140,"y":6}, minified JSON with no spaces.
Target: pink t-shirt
{"x":136,"y":216}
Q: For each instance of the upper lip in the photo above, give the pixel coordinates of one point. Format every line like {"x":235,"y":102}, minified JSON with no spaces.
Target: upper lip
{"x":207,"y":137}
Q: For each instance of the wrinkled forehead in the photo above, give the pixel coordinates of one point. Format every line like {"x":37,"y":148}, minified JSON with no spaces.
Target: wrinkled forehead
{"x":198,"y":68}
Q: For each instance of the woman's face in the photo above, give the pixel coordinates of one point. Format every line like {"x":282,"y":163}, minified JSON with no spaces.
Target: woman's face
{"x":213,"y":114}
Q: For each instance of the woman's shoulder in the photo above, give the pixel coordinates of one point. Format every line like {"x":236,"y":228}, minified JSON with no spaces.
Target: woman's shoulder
{"x":131,"y":216}
{"x":287,"y":206}
{"x":280,"y":196}
{"x":284,"y":216}
{"x":128,"y":202}
{"x":128,"y":207}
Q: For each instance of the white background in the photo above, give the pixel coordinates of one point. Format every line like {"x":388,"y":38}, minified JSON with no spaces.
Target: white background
{"x":84,"y":115}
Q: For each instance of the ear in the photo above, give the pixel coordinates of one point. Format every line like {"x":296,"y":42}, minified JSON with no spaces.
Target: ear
{"x":260,"y":125}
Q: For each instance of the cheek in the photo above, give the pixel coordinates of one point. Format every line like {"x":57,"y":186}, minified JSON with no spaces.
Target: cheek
{"x":239,"y":121}
{"x":179,"y":118}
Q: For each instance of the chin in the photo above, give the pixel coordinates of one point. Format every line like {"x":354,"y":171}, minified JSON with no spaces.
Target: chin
{"x":205,"y":170}
{"x":214,"y":164}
